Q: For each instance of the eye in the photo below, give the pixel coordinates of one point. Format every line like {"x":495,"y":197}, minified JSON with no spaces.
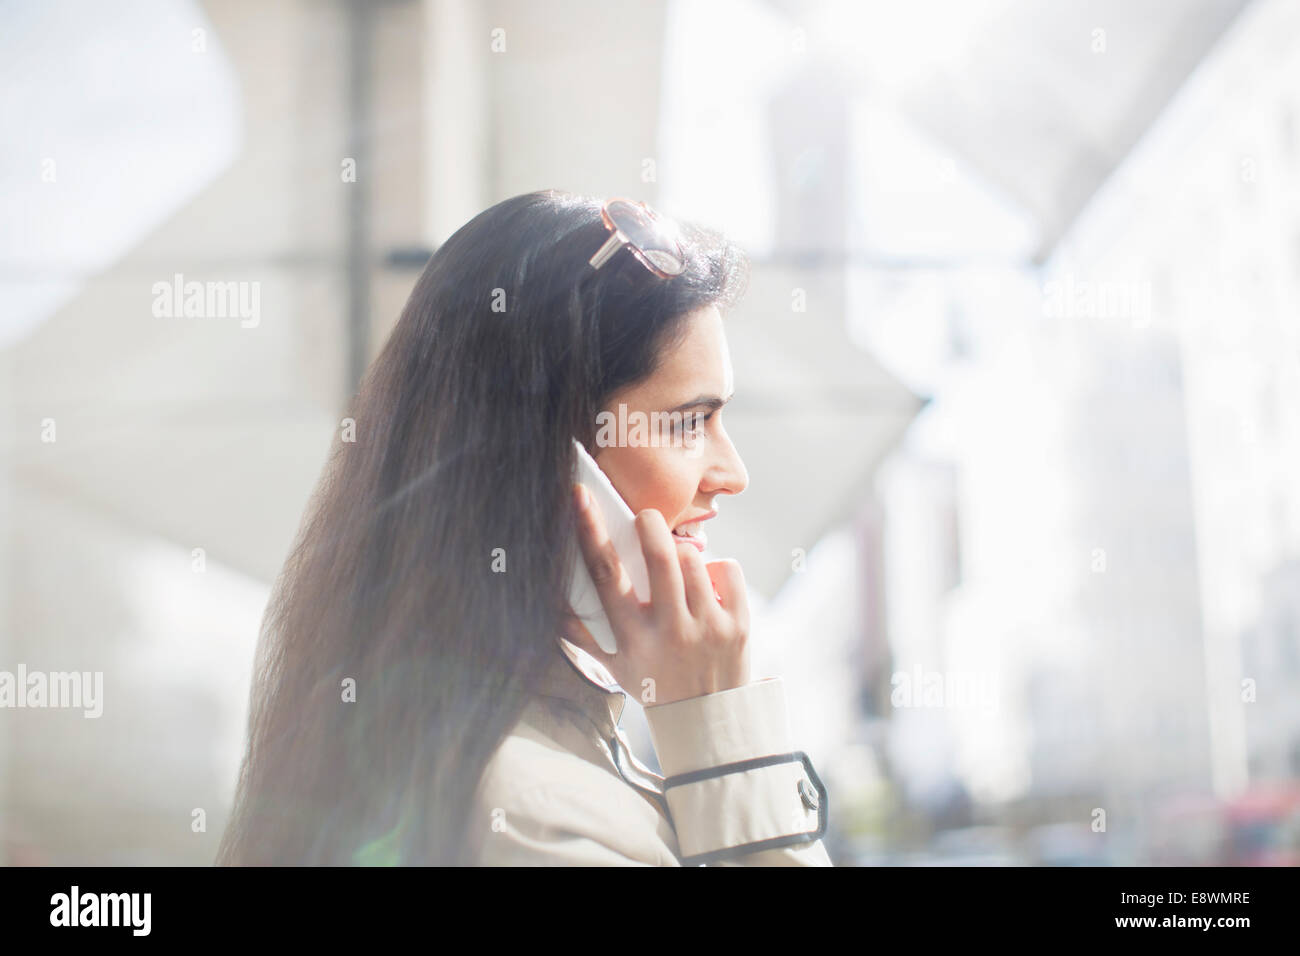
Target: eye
{"x":695,"y":421}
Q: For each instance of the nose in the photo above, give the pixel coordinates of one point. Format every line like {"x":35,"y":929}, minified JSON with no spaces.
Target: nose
{"x":726,"y":472}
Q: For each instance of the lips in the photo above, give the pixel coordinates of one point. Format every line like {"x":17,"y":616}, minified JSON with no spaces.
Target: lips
{"x":692,"y":533}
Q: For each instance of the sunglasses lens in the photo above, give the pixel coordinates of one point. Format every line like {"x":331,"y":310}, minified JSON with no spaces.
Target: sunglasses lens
{"x":651,"y":234}
{"x":668,"y":262}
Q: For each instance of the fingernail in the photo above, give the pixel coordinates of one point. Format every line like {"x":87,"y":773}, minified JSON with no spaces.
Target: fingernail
{"x":580,"y":497}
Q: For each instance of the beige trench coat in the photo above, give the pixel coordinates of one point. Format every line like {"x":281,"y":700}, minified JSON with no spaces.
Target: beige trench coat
{"x":564,"y":789}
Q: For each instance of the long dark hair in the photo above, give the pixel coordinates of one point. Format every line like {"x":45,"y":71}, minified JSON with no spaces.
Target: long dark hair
{"x":509,"y":344}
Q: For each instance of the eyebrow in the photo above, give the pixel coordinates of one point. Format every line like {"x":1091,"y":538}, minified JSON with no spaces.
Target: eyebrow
{"x":711,"y":402}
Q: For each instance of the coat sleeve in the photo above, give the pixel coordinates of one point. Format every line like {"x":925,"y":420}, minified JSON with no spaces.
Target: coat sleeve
{"x":738,"y":793}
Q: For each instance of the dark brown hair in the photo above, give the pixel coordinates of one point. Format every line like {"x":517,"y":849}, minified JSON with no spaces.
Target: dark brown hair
{"x":509,"y":344}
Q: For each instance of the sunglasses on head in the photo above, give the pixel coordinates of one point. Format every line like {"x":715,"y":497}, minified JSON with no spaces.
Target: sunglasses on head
{"x":650,"y":237}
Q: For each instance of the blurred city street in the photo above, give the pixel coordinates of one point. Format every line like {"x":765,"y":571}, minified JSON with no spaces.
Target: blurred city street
{"x":1017,"y":380}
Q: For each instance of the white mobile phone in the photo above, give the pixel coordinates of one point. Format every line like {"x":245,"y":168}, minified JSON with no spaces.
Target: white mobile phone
{"x":620,"y":523}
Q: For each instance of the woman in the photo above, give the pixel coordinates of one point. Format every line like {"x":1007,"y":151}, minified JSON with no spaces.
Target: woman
{"x":423,"y":692}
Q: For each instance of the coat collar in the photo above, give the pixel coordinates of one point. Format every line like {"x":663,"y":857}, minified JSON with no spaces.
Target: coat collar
{"x":575,"y":676}
{"x":581,"y":681}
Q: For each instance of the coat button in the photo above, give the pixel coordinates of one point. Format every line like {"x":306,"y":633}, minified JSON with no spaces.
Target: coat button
{"x":808,"y":794}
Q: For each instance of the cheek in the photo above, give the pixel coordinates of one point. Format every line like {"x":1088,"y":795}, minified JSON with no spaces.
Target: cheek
{"x":652,"y":478}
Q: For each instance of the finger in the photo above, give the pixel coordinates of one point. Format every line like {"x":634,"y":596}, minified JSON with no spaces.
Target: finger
{"x":729,"y":581}
{"x":611,"y":579}
{"x":699,"y":589}
{"x":667,"y":591}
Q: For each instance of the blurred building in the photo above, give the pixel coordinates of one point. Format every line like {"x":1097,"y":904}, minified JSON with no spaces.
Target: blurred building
{"x":1203,"y":213}
{"x":1271,"y":661}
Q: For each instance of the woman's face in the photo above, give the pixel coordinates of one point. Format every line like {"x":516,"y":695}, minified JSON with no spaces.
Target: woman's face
{"x":694,"y":460}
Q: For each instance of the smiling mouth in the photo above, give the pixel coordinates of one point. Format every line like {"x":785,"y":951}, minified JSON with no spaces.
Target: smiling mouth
{"x":691,"y":532}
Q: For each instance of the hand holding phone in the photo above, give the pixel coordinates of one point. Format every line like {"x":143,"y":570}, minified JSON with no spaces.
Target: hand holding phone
{"x":686,"y":633}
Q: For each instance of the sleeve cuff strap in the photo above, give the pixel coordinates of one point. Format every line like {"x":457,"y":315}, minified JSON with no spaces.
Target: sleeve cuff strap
{"x":751,"y":805}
